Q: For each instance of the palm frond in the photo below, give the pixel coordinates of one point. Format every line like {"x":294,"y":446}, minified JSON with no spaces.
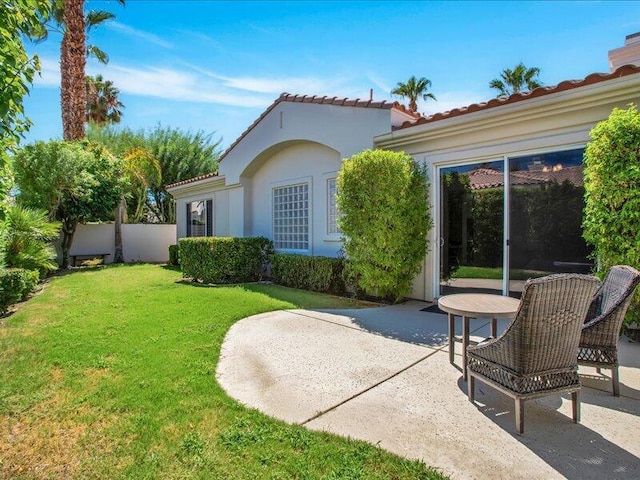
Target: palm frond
{"x":100,"y":55}
{"x":96,"y":17}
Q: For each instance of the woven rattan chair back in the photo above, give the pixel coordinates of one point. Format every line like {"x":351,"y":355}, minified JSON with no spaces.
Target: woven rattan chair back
{"x":546,"y":330}
{"x":601,"y":331}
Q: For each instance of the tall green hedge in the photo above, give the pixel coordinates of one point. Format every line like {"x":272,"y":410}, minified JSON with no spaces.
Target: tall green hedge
{"x":320,"y":274}
{"x":15,"y":285}
{"x":612,"y":193}
{"x":383,"y":198}
{"x":174,"y":255}
{"x":224,"y":259}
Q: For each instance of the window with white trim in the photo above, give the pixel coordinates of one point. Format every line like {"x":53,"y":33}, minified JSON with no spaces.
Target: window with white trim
{"x":200,"y":218}
{"x":332,"y":207}
{"x":291,"y":217}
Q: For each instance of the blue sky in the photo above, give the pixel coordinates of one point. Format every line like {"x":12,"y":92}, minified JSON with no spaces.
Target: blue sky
{"x":215,"y":66}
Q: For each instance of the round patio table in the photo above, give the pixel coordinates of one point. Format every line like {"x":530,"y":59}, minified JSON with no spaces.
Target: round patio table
{"x":474,"y":305}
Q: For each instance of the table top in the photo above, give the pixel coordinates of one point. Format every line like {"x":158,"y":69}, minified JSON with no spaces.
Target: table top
{"x":479,"y":305}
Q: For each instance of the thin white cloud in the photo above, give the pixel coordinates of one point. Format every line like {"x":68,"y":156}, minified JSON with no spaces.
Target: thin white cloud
{"x":383,"y":87}
{"x":136,"y":33}
{"x":49,"y":73}
{"x":449,"y":100}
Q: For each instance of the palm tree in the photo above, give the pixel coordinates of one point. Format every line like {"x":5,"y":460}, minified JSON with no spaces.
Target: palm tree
{"x":68,"y":18}
{"x":413,"y":89}
{"x":517,"y":80}
{"x":103,"y":106}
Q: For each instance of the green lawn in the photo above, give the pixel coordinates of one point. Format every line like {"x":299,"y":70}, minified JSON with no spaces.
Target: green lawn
{"x":465,"y":271}
{"x":110,"y":373}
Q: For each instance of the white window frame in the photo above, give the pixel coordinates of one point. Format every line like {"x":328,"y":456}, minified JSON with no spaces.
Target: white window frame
{"x":330,"y":236}
{"x":308,"y":181}
{"x":206,"y":226}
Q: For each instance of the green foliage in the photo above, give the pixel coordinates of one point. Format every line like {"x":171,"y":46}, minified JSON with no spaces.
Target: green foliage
{"x":516,"y":80}
{"x":17,"y":71}
{"x":612,"y":193}
{"x":413,"y":89}
{"x":224,"y":259}
{"x":181,"y":155}
{"x":74,"y":182}
{"x":318,"y":274}
{"x":26,"y":235}
{"x":383,"y":198}
{"x":15,"y":285}
{"x":488,"y":224}
{"x":174,"y":252}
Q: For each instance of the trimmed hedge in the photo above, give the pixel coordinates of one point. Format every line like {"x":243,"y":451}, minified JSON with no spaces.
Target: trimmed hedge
{"x":174,"y":258}
{"x":224,"y":259}
{"x":15,"y":285}
{"x":320,"y":274}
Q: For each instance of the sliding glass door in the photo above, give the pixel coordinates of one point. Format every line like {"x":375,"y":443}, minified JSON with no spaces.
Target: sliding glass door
{"x":539,"y":233}
{"x":546,"y":201}
{"x":471,"y":228}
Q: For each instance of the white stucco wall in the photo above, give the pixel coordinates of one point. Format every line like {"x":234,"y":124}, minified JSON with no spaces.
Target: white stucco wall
{"x":560,"y":121}
{"x":221,"y":209}
{"x":94,"y":238}
{"x":140,"y":242}
{"x":347,"y":130}
{"x":307,"y":162}
{"x":147,"y":242}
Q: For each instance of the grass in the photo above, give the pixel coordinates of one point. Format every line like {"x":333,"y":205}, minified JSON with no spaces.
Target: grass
{"x":109,"y":373}
{"x":465,"y":271}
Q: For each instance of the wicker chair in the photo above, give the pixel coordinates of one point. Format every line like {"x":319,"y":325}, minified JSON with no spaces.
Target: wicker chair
{"x":600,"y":333}
{"x":536,"y":355}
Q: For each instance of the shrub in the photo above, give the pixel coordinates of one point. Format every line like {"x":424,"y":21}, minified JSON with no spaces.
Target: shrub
{"x":612,"y":194}
{"x":15,"y":285}
{"x":383,"y":198}
{"x":320,"y":274}
{"x":224,"y":259}
{"x":26,"y":236}
{"x":174,"y":258}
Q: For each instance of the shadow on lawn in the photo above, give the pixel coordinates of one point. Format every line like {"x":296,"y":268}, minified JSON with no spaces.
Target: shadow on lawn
{"x":574,"y":450}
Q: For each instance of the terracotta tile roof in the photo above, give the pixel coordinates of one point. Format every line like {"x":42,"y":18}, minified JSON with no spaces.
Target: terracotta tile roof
{"x":483,"y":178}
{"x":325,"y":100}
{"x":519,"y":97}
{"x":192,"y":180}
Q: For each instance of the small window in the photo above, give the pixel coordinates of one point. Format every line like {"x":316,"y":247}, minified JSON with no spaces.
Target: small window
{"x":200,"y":218}
{"x":332,"y":207}
{"x":291,"y":217}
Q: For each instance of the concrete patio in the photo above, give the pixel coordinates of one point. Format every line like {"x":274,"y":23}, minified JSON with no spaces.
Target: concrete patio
{"x":383,"y":375}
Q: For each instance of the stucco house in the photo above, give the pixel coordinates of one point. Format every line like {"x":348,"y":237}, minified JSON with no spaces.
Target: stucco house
{"x":278,"y":178}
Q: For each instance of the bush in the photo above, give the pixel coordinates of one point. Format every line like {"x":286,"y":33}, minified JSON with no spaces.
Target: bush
{"x":174,"y":258}
{"x":383,"y":199}
{"x":319,"y":274}
{"x":612,"y":194}
{"x":224,"y":259}
{"x":15,"y":285}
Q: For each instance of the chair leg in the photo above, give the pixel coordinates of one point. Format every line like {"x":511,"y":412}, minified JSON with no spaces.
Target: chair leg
{"x":452,"y":348}
{"x":615,"y":379}
{"x":519,"y":415}
{"x":471,"y":388}
{"x":575,"y":404}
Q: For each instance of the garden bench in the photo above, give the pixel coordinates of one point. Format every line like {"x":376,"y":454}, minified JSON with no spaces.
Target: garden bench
{"x":87,"y":256}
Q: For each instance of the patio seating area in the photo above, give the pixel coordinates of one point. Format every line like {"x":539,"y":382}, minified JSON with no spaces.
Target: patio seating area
{"x":383,"y":375}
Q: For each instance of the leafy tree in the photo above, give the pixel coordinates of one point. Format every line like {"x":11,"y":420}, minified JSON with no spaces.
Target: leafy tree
{"x":612,"y":193}
{"x":17,"y":71}
{"x":413,"y":89}
{"x":181,"y":155}
{"x":68,"y":18}
{"x":517,"y":80}
{"x":75,"y":182}
{"x":383,"y":198}
{"x":26,"y":235}
{"x":103,"y":105}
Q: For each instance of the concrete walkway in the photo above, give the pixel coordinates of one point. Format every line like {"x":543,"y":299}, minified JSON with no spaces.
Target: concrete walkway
{"x":383,"y":375}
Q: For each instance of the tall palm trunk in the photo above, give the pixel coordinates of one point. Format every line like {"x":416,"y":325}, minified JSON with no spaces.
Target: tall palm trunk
{"x":72,"y":71}
{"x":121,"y":212}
